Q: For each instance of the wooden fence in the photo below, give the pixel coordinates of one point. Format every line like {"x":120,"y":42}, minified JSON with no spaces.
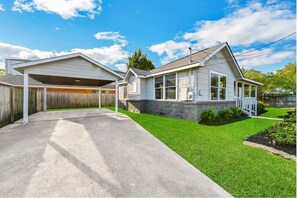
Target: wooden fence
{"x":11,"y":103}
{"x":75,"y":100}
{"x":280,"y":101}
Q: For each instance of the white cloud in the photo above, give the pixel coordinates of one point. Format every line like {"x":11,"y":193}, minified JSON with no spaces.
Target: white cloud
{"x":252,"y":24}
{"x":65,"y":8}
{"x":57,"y":28}
{"x":262,"y":57}
{"x":109,"y":55}
{"x":1,"y":8}
{"x":170,"y":50}
{"x":246,"y":25}
{"x":112,"y":36}
{"x":121,"y":67}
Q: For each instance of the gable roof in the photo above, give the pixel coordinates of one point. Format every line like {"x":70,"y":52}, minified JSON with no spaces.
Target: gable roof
{"x":140,"y":72}
{"x":196,"y":58}
{"x":20,"y":66}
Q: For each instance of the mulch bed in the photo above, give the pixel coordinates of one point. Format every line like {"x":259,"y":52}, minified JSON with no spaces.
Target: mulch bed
{"x":262,"y":140}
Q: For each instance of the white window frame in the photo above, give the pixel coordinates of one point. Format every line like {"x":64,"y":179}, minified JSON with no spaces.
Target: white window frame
{"x":125,"y":87}
{"x":154,"y":87}
{"x":164,"y":87}
{"x":219,"y":86}
{"x":134,"y":86}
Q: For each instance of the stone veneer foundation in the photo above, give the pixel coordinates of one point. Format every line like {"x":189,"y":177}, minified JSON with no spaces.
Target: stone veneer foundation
{"x":188,"y":110}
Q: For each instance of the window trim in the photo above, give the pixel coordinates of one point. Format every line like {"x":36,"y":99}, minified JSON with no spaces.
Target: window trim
{"x":125,"y":87}
{"x":219,"y":87}
{"x":164,"y":87}
{"x":134,"y":86}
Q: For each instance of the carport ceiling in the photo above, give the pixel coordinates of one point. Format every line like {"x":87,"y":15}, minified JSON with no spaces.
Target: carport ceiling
{"x":56,"y":80}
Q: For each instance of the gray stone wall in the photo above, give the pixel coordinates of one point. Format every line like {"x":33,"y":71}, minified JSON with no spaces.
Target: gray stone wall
{"x":188,"y":110}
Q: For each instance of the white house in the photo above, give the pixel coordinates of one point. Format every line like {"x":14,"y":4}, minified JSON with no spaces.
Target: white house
{"x":184,"y":88}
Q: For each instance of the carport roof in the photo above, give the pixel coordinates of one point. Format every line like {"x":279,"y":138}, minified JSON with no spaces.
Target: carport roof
{"x":91,"y":73}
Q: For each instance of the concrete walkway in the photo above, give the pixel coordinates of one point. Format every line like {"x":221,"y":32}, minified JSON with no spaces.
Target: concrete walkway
{"x":267,"y":118}
{"x":93,"y":153}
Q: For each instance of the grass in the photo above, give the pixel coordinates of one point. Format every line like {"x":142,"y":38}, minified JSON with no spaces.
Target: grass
{"x":276,"y":112}
{"x":219,"y":153}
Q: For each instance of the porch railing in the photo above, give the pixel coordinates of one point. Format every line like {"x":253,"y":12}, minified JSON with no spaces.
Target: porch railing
{"x":247,"y":105}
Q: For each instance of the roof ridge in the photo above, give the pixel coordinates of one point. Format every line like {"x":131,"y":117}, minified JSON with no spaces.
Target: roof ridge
{"x":187,"y":56}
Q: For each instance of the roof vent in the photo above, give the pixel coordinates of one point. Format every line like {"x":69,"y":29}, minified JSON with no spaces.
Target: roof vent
{"x":190,"y":60}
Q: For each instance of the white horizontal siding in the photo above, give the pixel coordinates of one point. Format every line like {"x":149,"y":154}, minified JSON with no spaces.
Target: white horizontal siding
{"x":74,"y":67}
{"x":219,"y":65}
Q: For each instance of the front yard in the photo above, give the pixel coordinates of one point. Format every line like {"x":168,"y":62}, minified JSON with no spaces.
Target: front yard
{"x":219,"y":152}
{"x":276,"y":112}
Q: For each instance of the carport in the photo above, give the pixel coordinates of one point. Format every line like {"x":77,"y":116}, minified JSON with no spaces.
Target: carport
{"x":73,"y":69}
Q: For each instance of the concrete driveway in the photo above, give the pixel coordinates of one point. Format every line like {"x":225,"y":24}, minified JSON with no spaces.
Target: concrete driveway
{"x":93,"y":153}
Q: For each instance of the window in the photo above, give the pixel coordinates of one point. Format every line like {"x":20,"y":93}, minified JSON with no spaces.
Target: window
{"x":170,"y":86}
{"x":218,"y":87}
{"x":125,"y":92}
{"x":159,"y":88}
{"x":214,"y":87}
{"x":134,"y":86}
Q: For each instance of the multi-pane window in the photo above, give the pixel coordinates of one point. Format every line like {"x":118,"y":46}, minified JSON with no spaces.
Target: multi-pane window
{"x":165,"y":87}
{"x":218,"y":87}
{"x":170,"y":86}
{"x":159,"y":88}
{"x":125,"y":92}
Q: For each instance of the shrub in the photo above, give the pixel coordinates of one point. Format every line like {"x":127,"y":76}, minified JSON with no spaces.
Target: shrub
{"x":209,"y":116}
{"x":236,"y":112}
{"x":225,"y":114}
{"x":283,"y":133}
{"x":261,"y":108}
{"x":291,"y":118}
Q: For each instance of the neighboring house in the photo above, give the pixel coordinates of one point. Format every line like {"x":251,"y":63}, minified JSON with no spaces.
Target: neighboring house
{"x":16,"y":79}
{"x":184,"y":88}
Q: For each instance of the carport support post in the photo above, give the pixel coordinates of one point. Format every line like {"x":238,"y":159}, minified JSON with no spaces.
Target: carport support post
{"x":99,"y":97}
{"x":116,"y":96}
{"x":25,"y":99}
{"x":44,"y":98}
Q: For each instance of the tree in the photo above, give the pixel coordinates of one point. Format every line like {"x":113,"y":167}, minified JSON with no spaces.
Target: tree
{"x":2,"y":72}
{"x":139,"y":61}
{"x":285,"y":78}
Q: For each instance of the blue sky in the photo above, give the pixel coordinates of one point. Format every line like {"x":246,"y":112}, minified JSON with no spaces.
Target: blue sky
{"x":110,"y":31}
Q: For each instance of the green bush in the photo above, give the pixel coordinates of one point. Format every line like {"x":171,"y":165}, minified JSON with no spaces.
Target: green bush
{"x":236,"y":112}
{"x":226,"y":114}
{"x":291,"y":117}
{"x":260,"y":108}
{"x":209,"y":116}
{"x":283,"y":133}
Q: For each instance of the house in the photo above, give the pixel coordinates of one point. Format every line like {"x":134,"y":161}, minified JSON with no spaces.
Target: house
{"x":184,"y":88}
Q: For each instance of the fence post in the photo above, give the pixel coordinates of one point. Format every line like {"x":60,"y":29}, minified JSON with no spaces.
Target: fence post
{"x":12,"y":104}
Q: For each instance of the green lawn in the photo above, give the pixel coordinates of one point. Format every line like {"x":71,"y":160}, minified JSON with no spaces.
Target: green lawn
{"x":276,"y":112}
{"x":219,"y":153}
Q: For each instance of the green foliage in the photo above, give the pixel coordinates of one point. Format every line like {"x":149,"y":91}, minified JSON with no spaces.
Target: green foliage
{"x":139,"y":61}
{"x":2,"y":72}
{"x":209,"y":116}
{"x":283,"y":133}
{"x":236,"y":112}
{"x":291,"y":117}
{"x":260,"y":108}
{"x":226,"y":114}
{"x":284,"y":80}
